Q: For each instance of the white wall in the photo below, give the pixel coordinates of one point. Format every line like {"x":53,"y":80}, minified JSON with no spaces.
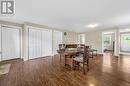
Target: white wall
{"x":94,"y":38}
{"x":70,"y":38}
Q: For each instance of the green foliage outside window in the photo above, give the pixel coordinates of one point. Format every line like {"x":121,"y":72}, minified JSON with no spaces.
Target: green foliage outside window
{"x":126,"y":39}
{"x":107,"y":40}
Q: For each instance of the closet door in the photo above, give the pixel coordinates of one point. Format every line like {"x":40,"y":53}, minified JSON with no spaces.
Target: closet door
{"x":57,"y":39}
{"x":46,"y":42}
{"x":35,"y":43}
{"x":10,"y":43}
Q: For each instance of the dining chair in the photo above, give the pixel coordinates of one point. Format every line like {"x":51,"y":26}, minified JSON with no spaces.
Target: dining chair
{"x":70,"y":46}
{"x":83,"y":58}
{"x":92,"y":52}
{"x":61,"y":50}
{"x":68,"y":56}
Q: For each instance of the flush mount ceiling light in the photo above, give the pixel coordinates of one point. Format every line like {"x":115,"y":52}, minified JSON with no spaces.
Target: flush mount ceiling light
{"x":92,"y":25}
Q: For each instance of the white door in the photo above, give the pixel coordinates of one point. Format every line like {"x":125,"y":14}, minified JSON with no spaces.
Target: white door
{"x":10,"y":43}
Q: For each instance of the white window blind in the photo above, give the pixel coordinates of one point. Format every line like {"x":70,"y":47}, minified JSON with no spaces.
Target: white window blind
{"x":46,"y":42}
{"x":10,"y":43}
{"x":57,"y":39}
{"x":35,"y":43}
{"x":40,"y":42}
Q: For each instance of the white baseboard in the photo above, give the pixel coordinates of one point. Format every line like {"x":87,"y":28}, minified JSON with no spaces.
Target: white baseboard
{"x":25,"y":59}
{"x":124,"y":53}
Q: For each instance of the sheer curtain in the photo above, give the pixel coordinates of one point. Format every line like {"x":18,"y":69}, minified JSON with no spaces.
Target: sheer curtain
{"x":10,"y":43}
{"x":40,"y":42}
{"x":57,"y":39}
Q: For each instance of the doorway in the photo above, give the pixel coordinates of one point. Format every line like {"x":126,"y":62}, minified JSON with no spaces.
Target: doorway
{"x":108,"y":42}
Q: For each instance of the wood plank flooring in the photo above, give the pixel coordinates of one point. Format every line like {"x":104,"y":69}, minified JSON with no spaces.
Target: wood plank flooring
{"x":104,"y":71}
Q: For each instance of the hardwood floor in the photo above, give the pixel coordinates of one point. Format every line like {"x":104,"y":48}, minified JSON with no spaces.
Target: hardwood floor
{"x":104,"y":71}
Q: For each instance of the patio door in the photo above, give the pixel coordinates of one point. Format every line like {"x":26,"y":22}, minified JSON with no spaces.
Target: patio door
{"x":40,"y":42}
{"x":10,"y":42}
{"x":125,"y":42}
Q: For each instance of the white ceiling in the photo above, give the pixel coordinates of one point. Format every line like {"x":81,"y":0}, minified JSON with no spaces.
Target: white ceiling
{"x":72,"y":15}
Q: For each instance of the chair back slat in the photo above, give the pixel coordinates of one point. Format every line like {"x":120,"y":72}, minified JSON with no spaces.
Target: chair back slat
{"x":71,"y":46}
{"x":61,"y":46}
{"x":86,"y":53}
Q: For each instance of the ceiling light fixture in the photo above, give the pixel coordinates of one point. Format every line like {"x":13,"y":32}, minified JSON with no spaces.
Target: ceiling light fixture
{"x":92,"y":25}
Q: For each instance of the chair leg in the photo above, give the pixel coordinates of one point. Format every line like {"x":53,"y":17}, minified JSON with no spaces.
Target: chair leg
{"x":65,"y":61}
{"x":78,"y":65}
{"x":60,"y":58}
{"x":88,"y":65}
{"x":74,"y":64}
{"x":84,"y":68}
{"x":92,"y":54}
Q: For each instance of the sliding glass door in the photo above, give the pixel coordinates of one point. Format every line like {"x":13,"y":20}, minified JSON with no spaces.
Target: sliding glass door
{"x":40,"y":42}
{"x":125,"y":42}
{"x":35,"y":43}
{"x":10,"y":42}
{"x":46,"y":42}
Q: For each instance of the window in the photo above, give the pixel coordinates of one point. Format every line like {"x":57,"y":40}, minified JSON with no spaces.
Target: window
{"x":125,"y":42}
{"x":107,"y":40}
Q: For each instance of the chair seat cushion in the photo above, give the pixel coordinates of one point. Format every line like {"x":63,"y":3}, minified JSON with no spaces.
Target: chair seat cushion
{"x":78,"y":59}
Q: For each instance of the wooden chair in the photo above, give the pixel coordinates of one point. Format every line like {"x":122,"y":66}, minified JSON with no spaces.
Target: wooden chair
{"x":71,"y":46}
{"x":61,"y":50}
{"x":81,"y":45}
{"x":82,"y":59}
{"x":68,"y":57}
{"x":61,"y":46}
{"x":92,"y":52}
